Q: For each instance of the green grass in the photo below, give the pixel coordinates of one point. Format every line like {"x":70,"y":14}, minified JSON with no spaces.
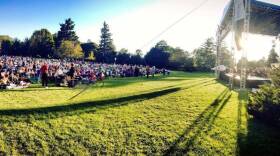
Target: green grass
{"x":185,"y":113}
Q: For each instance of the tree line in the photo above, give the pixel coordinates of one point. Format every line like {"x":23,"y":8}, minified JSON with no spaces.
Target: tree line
{"x":65,"y":44}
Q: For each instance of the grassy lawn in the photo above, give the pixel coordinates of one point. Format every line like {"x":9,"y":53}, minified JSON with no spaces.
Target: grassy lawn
{"x":185,"y":113}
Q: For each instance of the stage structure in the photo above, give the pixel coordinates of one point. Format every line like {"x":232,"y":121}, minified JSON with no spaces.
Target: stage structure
{"x":242,"y":17}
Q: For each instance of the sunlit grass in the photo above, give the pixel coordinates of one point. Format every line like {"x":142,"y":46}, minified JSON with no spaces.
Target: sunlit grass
{"x":183,"y":113}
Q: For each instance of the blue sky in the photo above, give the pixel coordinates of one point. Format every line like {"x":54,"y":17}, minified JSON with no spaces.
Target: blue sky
{"x":132,"y":22}
{"x":19,"y":18}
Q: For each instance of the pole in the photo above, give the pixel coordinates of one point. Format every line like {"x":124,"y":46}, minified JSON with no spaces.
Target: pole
{"x":243,"y":76}
{"x":218,"y":59}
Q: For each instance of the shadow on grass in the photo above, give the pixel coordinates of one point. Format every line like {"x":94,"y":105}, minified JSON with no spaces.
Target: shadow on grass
{"x":85,"y":105}
{"x":183,"y":144}
{"x":185,"y":141}
{"x":111,"y":83}
{"x":260,"y":138}
{"x":52,"y":112}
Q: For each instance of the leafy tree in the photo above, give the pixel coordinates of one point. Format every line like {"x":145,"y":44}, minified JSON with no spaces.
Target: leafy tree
{"x":25,"y":47}
{"x":123,"y":57}
{"x":157,"y":56}
{"x":275,"y":77}
{"x":204,"y":57}
{"x":89,"y":48}
{"x":6,"y":47}
{"x":42,"y":43}
{"x":106,"y":46}
{"x":137,"y":58}
{"x":226,"y":56}
{"x":16,"y":49}
{"x":5,"y":38}
{"x":66,"y":32}
{"x":70,"y":49}
{"x":180,"y":60}
{"x":272,"y":57}
{"x":139,"y":52}
{"x":265,"y":103}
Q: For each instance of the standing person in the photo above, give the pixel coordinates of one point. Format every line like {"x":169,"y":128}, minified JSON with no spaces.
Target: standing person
{"x":153,"y":71}
{"x":136,"y":71}
{"x":71,"y":73}
{"x":163,"y":71}
{"x":44,"y":75}
{"x":148,"y":71}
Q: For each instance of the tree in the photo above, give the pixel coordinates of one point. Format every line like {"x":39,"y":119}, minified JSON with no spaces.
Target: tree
{"x":272,"y":57}
{"x":5,"y":38}
{"x":123,"y":57}
{"x":137,"y":58}
{"x":25,"y":47}
{"x":106,"y":46}
{"x":89,"y":48}
{"x":42,"y":43}
{"x":204,"y":57}
{"x":66,"y":32}
{"x":70,"y":49}
{"x":139,"y":52}
{"x":180,"y":60}
{"x":16,"y":49}
{"x":157,"y":56}
{"x":6,"y":47}
{"x":226,"y":56}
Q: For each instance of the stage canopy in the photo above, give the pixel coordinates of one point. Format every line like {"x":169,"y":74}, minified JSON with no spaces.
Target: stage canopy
{"x":264,"y":19}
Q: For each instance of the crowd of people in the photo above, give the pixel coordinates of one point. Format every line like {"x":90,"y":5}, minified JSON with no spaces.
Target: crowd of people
{"x":20,"y":72}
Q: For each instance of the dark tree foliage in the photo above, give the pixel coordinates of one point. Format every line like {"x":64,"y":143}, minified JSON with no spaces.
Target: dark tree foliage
{"x":225,"y":55}
{"x":6,"y":47}
{"x":205,"y":57}
{"x":123,"y":57}
{"x":265,"y":103}
{"x":16,"y":49}
{"x":136,"y":60}
{"x":106,"y":47}
{"x":180,"y":60}
{"x":272,"y":57}
{"x":66,"y":32}
{"x":88,"y":48}
{"x":25,"y":47}
{"x":157,"y":57}
{"x":42,"y":43}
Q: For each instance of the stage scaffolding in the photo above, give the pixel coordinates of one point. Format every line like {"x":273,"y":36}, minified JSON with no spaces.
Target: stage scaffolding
{"x":259,"y":18}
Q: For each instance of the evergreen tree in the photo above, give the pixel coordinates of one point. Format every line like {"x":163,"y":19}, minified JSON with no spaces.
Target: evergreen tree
{"x":106,"y":47}
{"x":272,"y":57}
{"x":66,"y":32}
{"x":204,"y":57}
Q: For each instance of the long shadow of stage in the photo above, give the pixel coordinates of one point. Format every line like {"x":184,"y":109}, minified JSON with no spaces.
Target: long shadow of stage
{"x":23,"y":115}
{"x":185,"y":141}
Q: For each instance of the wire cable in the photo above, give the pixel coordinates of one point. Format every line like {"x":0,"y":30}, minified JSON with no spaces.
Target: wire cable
{"x":174,"y":23}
